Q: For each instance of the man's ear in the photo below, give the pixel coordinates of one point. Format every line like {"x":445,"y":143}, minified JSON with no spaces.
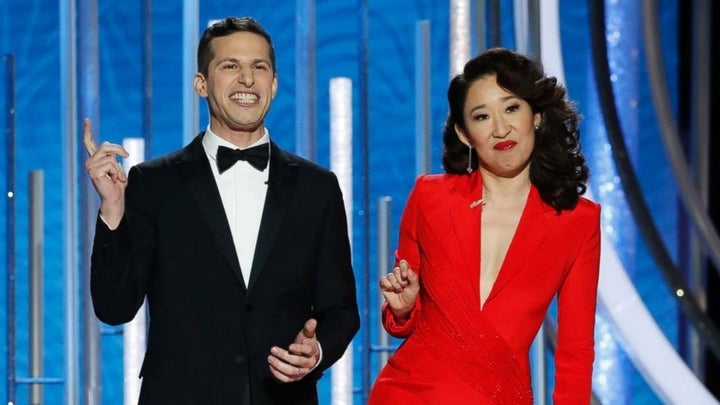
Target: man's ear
{"x":200,"y":85}
{"x":274,"y":85}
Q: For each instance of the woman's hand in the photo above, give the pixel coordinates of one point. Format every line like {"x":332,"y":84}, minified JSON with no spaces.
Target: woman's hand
{"x":400,"y":289}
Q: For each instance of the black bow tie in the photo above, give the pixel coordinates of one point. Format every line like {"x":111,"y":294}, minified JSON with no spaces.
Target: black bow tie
{"x":257,"y":156}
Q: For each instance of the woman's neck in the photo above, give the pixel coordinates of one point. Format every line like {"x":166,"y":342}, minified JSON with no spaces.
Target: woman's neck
{"x":504,"y":190}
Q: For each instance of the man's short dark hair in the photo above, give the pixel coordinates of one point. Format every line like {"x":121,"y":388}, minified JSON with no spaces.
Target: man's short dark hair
{"x":224,"y":27}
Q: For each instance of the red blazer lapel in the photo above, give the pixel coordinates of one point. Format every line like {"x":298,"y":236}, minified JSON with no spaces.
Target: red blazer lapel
{"x":536,"y":222}
{"x":465,"y":214}
{"x":459,"y":215}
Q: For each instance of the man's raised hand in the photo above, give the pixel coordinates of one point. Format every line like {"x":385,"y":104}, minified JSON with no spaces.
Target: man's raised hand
{"x":107,"y":175}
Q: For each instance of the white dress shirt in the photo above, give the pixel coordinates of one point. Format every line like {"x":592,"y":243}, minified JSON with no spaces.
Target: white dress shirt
{"x":242,"y":189}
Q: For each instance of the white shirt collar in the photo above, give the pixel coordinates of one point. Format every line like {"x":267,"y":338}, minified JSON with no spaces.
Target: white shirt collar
{"x":211,"y":141}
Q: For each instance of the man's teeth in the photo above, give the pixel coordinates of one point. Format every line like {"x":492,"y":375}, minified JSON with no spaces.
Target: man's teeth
{"x":245,"y":97}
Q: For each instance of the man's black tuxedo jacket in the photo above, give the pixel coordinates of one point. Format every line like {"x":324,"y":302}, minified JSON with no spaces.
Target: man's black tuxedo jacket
{"x":209,"y":334}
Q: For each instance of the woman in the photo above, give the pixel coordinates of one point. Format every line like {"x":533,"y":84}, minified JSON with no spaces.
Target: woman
{"x":486,"y":247}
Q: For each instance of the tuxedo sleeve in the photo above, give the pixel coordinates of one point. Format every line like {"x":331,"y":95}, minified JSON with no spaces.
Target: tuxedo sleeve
{"x":335,"y":304}
{"x":121,"y":258}
{"x":576,"y":316}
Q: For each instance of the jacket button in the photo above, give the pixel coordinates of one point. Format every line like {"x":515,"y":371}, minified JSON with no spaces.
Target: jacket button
{"x":239,"y":359}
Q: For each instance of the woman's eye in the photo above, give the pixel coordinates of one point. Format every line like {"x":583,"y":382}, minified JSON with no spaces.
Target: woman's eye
{"x":480,"y":117}
{"x":513,"y":108}
{"x":229,"y":66}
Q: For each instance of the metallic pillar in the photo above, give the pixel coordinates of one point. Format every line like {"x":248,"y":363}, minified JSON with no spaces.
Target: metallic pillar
{"x":363,"y":146}
{"x":527,"y":27}
{"x":460,"y":35}
{"x":423,"y":112}
{"x":10,"y":229}
{"x":384,"y":259}
{"x":89,"y":79}
{"x":191,"y":26}
{"x":71,"y":265}
{"x":481,"y":24}
{"x":341,"y":163}
{"x":36,"y":251}
{"x":135,"y":331}
{"x":147,"y":78}
{"x":305,"y":80}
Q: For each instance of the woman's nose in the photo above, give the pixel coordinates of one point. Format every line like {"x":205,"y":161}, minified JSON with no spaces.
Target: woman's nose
{"x":502,"y":129}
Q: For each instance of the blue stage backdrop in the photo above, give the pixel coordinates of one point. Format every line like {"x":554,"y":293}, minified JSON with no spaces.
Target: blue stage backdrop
{"x":30,"y":30}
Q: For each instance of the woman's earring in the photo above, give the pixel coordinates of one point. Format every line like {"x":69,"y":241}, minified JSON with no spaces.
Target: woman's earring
{"x":469,"y":167}
{"x":537,"y":126}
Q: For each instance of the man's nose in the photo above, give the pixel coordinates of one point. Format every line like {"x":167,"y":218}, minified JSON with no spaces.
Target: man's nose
{"x":246,"y":77}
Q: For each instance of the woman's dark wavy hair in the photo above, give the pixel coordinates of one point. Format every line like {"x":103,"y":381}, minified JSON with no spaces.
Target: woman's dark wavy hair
{"x":557,"y":167}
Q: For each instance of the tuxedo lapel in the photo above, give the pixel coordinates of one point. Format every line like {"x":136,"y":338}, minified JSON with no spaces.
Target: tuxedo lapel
{"x":193,"y":167}
{"x":281,"y":186}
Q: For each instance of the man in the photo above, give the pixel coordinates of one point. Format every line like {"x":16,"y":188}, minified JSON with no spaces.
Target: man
{"x":244,"y":259}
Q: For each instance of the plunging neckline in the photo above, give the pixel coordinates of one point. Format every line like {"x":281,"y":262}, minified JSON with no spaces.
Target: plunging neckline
{"x":483,"y":302}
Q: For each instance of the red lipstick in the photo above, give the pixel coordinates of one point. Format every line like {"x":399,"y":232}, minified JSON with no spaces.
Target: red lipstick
{"x":504,"y":145}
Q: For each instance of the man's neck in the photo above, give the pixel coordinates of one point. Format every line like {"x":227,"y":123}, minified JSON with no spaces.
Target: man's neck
{"x":239,"y":138}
